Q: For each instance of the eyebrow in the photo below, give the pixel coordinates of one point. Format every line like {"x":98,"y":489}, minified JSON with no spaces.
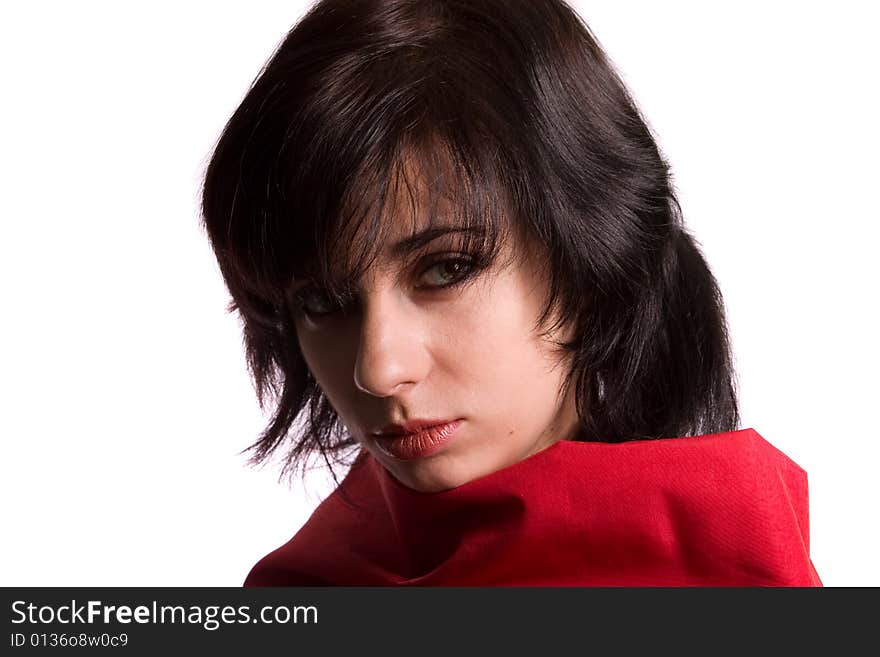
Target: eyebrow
{"x":418,"y":240}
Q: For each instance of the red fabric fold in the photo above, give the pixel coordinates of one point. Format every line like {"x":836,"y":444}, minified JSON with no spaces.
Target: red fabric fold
{"x":725,"y":509}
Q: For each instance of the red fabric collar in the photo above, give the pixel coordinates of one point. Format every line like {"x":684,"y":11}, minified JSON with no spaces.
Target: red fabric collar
{"x":725,"y":509}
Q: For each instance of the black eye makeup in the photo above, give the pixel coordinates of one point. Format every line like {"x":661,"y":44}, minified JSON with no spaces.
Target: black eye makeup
{"x":446,"y":270}
{"x":314,"y":302}
{"x":442,"y":271}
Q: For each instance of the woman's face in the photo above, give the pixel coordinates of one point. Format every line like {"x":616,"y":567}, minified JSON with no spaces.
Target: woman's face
{"x":414,"y":345}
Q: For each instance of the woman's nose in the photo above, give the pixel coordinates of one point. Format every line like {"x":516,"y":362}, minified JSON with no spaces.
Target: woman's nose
{"x":391,"y":351}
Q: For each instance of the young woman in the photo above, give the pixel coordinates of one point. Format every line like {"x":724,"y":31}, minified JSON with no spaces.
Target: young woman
{"x":459,"y":261}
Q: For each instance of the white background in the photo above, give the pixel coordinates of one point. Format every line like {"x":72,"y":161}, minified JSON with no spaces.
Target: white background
{"x":124,"y":399}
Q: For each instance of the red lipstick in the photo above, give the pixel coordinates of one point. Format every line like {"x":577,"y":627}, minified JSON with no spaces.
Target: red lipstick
{"x":416,"y":439}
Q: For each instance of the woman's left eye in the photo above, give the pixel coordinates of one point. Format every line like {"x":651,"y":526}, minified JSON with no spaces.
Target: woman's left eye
{"x":447,"y":272}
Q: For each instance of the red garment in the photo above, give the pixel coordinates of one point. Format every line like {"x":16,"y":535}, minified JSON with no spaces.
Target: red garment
{"x":725,"y":509}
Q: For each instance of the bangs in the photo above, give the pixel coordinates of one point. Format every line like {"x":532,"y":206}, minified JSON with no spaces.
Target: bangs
{"x":420,"y":191}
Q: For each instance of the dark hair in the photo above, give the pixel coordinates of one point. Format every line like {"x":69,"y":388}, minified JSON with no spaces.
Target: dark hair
{"x":516,"y":117}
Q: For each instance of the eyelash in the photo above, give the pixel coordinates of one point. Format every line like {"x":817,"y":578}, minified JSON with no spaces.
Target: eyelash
{"x":470,"y":269}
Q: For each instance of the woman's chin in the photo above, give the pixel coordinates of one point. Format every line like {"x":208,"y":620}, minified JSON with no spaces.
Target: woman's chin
{"x":428,"y":475}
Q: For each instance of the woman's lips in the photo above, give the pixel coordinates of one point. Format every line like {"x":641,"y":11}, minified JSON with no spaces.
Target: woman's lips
{"x":418,"y":444}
